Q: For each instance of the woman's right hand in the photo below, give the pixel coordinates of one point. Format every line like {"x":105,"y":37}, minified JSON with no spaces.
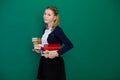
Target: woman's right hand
{"x":36,"y":50}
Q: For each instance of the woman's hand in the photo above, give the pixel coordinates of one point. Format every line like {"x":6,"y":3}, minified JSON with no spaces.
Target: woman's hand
{"x":36,"y":50}
{"x":50,"y":54}
{"x":53,"y":54}
{"x":46,"y":54}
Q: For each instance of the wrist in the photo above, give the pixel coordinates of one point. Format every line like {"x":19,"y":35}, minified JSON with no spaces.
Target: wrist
{"x":57,"y":54}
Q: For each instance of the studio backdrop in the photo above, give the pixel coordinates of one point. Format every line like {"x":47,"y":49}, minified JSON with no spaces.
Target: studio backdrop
{"x":93,"y":26}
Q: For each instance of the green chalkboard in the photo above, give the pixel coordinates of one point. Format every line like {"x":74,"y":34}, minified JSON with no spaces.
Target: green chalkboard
{"x":93,"y":26}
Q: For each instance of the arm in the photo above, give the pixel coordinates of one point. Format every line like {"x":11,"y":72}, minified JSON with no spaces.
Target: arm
{"x":67,"y":43}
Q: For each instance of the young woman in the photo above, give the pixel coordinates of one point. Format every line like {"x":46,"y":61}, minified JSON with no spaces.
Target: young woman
{"x":51,"y":62}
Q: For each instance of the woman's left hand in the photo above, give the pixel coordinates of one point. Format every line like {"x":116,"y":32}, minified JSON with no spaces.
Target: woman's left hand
{"x":53,"y":54}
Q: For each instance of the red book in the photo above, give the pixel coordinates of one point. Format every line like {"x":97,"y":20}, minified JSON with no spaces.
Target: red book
{"x":52,"y":46}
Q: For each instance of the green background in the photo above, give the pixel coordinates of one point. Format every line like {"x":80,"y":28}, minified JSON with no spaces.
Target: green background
{"x":91,"y":25}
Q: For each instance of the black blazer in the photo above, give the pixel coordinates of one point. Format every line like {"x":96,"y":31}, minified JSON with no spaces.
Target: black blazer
{"x":57,"y":36}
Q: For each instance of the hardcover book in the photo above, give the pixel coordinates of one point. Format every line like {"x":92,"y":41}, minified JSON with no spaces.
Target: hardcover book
{"x":52,"y":47}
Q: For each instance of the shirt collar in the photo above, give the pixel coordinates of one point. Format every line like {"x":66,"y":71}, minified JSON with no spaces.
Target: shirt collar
{"x":48,"y":28}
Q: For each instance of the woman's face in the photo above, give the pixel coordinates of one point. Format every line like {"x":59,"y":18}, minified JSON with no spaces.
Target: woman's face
{"x":49,"y":16}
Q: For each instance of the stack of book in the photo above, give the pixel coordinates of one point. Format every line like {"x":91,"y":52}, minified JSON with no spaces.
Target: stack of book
{"x":36,"y":43}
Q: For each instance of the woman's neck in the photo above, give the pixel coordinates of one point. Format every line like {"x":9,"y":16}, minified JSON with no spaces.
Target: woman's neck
{"x":50,"y":24}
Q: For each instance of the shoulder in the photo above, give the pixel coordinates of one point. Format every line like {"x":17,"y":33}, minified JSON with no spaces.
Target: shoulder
{"x":58,"y":29}
{"x":43,"y":30}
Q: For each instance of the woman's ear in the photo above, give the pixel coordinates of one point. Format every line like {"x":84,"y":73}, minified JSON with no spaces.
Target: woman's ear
{"x":55,"y":17}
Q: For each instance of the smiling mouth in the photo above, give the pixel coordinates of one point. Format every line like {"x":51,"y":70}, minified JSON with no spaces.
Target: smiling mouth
{"x":45,"y":19}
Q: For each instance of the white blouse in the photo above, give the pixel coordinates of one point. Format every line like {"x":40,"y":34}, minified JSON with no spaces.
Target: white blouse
{"x":45,"y":36}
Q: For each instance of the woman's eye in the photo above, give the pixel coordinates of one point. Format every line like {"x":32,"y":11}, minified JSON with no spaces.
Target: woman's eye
{"x":49,"y":15}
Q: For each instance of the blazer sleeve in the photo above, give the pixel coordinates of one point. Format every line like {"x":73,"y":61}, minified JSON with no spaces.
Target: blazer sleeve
{"x":67,"y":44}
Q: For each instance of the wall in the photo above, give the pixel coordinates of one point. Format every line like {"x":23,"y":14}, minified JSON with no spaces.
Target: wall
{"x":92,"y":26}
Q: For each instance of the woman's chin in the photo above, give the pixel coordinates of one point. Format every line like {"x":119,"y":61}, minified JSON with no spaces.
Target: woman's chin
{"x":46,"y":22}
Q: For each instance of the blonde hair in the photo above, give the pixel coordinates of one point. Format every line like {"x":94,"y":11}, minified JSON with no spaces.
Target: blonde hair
{"x":57,"y":21}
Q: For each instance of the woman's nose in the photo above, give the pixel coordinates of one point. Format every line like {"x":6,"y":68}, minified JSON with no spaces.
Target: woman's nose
{"x":45,"y":16}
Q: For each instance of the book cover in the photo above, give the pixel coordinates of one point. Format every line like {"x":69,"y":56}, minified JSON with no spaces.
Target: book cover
{"x":52,"y":46}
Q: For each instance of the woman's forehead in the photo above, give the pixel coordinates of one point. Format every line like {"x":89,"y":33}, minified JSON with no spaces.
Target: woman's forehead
{"x":49,"y":11}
